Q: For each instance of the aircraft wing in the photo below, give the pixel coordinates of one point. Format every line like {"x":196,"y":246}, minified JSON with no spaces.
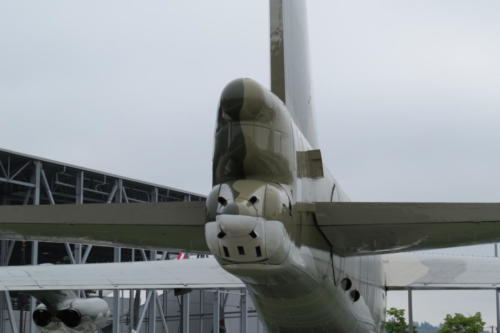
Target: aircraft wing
{"x":166,"y":225}
{"x":429,"y":271}
{"x":167,"y":274}
{"x":360,"y":228}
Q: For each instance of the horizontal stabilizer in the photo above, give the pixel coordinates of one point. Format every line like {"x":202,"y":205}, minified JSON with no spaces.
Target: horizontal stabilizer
{"x":360,"y":228}
{"x":166,"y":274}
{"x":166,"y":225}
{"x":429,"y":271}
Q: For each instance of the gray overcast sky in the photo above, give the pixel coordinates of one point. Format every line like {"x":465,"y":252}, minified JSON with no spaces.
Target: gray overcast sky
{"x":407,"y":94}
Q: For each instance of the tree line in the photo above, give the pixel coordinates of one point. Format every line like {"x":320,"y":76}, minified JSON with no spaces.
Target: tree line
{"x":457,"y":323}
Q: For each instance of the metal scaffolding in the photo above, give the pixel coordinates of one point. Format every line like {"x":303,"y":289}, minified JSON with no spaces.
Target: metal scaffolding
{"x":29,"y":180}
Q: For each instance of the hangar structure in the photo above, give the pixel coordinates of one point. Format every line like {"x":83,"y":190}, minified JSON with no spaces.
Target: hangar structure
{"x":30,"y":180}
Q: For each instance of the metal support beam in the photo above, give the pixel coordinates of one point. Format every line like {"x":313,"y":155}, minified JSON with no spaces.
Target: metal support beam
{"x":125,"y":197}
{"x":79,"y":187}
{"x":4,"y":261}
{"x":12,"y":319}
{"x":25,"y":165}
{"x":69,"y":252}
{"x":34,"y":253}
{"x":10,"y":251}
{"x":112,"y":194}
{"x":5,"y":174}
{"x":152,"y":302}
{"x":119,"y":191}
{"x":86,"y":254}
{"x":243,"y":311}
{"x":118,"y":197}
{"x":222,"y":314}
{"x":34,"y":261}
{"x":410,"y":311}
{"x":131,"y":317}
{"x":155,"y":195}
{"x":163,"y":314}
{"x":144,"y":310}
{"x":48,"y":191}
{"x":116,"y":296}
{"x":78,"y":259}
{"x":144,"y":256}
{"x":497,"y":297}
{"x":16,"y":182}
{"x":6,"y":249}
{"x":216,"y":312}
{"x":201,"y":310}
{"x":186,"y":299}
{"x":131,"y":301}
{"x":37,"y":178}
{"x":78,"y":253}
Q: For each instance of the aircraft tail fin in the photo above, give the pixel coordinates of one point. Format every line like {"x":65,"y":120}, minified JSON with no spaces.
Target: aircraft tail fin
{"x":290,"y":76}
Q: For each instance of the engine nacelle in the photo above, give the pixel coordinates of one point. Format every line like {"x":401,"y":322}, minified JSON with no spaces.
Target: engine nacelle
{"x":46,"y":321}
{"x":70,"y":317}
{"x":76,"y":314}
{"x":41,"y":316}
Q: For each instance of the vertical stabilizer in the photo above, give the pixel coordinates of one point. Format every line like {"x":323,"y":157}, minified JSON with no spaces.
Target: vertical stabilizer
{"x":290,"y":76}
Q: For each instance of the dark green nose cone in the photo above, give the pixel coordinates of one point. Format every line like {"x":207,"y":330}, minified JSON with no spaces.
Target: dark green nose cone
{"x":231,"y":101}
